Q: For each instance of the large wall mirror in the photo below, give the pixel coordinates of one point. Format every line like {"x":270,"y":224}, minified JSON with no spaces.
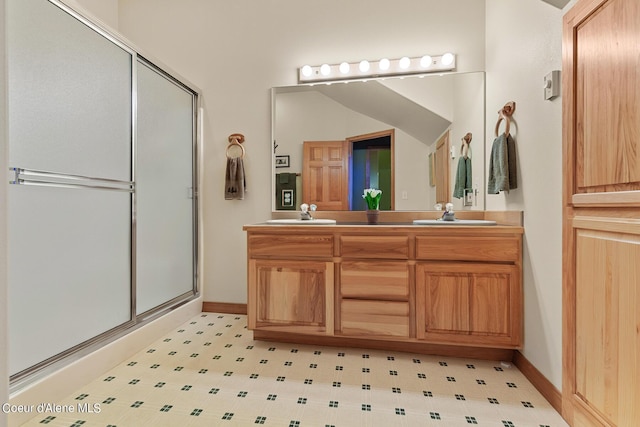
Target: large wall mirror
{"x":402,"y":135}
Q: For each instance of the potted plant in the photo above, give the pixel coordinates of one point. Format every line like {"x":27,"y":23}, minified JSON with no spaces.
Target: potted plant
{"x":372,"y":197}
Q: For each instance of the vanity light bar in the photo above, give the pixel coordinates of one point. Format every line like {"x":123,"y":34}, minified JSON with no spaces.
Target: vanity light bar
{"x":379,"y":68}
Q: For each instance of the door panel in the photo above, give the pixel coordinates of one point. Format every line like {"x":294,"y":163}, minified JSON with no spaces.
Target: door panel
{"x":607,"y":318}
{"x":607,"y":115}
{"x":447,"y":302}
{"x":489,"y":304}
{"x":69,"y":94}
{"x":164,"y":178}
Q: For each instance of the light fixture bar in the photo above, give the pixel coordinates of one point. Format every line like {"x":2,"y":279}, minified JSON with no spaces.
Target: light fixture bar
{"x":379,"y":68}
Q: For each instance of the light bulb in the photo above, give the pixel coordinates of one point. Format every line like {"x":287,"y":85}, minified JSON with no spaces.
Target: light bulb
{"x":447,"y":59}
{"x":325,"y":69}
{"x":344,"y":67}
{"x":426,"y":61}
{"x":307,"y":70}
{"x":405,"y":62}
{"x":364,"y":66}
{"x":384,"y":64}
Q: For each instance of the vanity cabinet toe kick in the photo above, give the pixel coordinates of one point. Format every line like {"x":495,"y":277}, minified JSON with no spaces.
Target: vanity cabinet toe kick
{"x":455,"y":292}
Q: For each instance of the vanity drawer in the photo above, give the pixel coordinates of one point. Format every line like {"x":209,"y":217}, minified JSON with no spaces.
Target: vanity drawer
{"x":374,"y":280}
{"x":375,"y":246}
{"x":460,"y":248}
{"x":280,"y":246}
{"x":382,"y":318}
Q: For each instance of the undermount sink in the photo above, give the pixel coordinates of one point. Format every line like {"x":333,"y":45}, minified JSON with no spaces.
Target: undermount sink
{"x":454,"y":222}
{"x":318,"y":221}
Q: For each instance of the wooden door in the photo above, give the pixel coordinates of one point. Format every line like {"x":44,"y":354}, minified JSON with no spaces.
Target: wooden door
{"x":443,"y":188}
{"x":325,"y":178}
{"x":601,"y":219}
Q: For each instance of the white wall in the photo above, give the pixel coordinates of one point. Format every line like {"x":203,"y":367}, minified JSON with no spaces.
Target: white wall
{"x":4,"y":155}
{"x":235,"y":51}
{"x":106,"y":11}
{"x":523,"y":43}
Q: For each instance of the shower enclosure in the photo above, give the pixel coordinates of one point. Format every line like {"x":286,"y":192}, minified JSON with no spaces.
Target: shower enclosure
{"x":103,"y":203}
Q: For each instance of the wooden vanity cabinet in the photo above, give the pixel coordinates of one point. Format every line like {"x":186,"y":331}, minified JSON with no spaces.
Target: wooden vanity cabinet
{"x":445,"y":290}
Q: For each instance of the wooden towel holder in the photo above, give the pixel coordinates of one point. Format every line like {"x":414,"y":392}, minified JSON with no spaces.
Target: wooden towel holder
{"x":464,"y":151}
{"x":505,"y":114}
{"x":235,"y":148}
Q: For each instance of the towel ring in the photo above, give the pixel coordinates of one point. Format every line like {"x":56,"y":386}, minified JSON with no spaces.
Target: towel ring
{"x":505,"y":114}
{"x":507,"y":125}
{"x":235,"y":149}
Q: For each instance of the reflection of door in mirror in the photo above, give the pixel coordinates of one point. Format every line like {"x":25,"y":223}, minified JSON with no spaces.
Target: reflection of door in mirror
{"x":325,"y":174}
{"x":371,"y":166}
{"x":442,"y":169}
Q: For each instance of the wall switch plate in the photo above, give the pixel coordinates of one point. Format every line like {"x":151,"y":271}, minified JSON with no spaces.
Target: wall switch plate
{"x":552,"y":85}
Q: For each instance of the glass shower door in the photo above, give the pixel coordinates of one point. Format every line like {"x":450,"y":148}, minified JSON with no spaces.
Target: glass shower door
{"x":164,"y":171}
{"x":69,"y":214}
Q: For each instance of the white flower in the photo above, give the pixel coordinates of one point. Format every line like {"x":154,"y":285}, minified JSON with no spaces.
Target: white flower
{"x":372,"y":192}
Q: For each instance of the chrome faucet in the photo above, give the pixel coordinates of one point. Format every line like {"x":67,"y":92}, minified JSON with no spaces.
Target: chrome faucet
{"x":448,"y":214}
{"x":305,"y":211}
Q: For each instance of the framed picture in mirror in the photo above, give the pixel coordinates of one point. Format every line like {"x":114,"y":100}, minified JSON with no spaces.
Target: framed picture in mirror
{"x":282,"y":161}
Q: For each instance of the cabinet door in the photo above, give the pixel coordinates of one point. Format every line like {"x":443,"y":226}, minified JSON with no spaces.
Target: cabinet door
{"x":601,"y":238}
{"x":291,"y":296}
{"x":477,"y":304}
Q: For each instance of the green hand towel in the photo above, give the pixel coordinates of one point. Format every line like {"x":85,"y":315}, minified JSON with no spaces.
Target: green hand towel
{"x":463,"y":177}
{"x":502,"y":165}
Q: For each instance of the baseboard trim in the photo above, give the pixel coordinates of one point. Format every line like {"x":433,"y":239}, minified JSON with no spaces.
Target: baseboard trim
{"x":224,"y":307}
{"x":539,"y":381}
{"x":365,"y":343}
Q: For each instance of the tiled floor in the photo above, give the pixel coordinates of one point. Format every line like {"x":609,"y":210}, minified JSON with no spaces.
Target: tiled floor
{"x":210,"y":372}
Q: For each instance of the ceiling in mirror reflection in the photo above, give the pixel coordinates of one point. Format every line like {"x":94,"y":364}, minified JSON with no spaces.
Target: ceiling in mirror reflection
{"x":378,"y":100}
{"x":420,"y":109}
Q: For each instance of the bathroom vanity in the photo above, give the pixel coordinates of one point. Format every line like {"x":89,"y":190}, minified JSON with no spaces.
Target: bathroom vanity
{"x":451,"y":290}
